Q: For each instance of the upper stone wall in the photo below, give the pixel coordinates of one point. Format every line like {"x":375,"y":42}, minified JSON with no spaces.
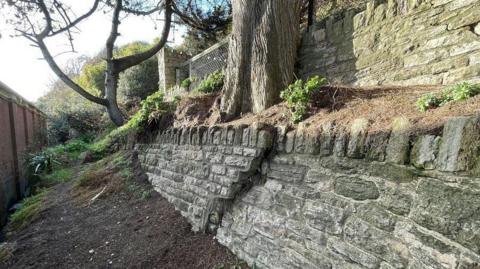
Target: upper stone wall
{"x":396,"y":42}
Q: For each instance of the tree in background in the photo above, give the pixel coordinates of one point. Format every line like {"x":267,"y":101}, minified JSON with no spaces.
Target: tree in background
{"x":38,"y":20}
{"x":216,"y":26}
{"x":262,"y":54}
{"x":70,"y":115}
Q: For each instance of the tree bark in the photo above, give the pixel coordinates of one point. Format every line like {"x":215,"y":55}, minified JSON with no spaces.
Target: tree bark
{"x":262,"y":54}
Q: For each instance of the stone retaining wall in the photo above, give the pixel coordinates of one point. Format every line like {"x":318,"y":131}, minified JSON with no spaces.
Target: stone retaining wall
{"x":330,"y":198}
{"x":396,"y":42}
{"x":201,"y":170}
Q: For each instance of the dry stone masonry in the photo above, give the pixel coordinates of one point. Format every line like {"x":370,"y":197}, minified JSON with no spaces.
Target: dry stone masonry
{"x":396,"y":42}
{"x":329,"y":198}
{"x":200,"y":170}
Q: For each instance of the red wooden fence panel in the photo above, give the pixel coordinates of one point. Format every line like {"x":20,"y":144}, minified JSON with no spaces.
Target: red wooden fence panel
{"x":22,"y":129}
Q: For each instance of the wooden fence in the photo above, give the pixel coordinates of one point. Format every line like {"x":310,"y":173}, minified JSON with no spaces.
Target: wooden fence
{"x":22,"y":129}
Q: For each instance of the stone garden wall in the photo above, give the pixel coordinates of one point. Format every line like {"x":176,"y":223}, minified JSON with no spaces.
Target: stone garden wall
{"x":396,"y":42}
{"x":200,"y":170}
{"x":333,"y":198}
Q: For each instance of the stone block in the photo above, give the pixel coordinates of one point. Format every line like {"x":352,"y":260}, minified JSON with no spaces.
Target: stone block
{"x":376,"y":146}
{"x":450,"y":211}
{"x":349,"y":252}
{"x":319,"y":181}
{"x":340,"y":145}
{"x":375,"y":241}
{"x":397,"y":201}
{"x":230,"y":135}
{"x":300,"y":141}
{"x":377,"y":216}
{"x":290,"y":141}
{"x":246,"y":137}
{"x":424,"y":151}
{"x":358,"y":134}
{"x":236,"y":161}
{"x":356,"y":188}
{"x":324,"y":217}
{"x":327,"y":138}
{"x":264,"y":139}
{"x":399,"y":143}
{"x":459,"y":145}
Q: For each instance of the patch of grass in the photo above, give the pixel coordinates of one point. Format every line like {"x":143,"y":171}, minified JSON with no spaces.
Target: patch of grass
{"x":57,"y":176}
{"x":111,"y":175}
{"x":459,"y":92}
{"x":29,"y":212}
{"x":298,"y":96}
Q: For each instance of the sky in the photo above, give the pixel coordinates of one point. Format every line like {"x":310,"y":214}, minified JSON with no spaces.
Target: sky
{"x":22,"y":68}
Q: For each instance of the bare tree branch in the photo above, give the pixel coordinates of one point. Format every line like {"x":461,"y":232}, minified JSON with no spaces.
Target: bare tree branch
{"x":131,"y":60}
{"x":69,"y":82}
{"x":77,"y":20}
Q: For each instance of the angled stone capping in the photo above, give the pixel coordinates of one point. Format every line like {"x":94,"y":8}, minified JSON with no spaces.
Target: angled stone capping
{"x":200,"y":170}
{"x":457,"y":149}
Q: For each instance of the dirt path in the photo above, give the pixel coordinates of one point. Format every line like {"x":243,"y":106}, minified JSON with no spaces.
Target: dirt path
{"x":115,"y":232}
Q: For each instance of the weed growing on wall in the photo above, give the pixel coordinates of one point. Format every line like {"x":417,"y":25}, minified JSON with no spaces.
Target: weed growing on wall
{"x":152,"y":109}
{"x":458,"y":92}
{"x":213,"y":83}
{"x":298,"y":96}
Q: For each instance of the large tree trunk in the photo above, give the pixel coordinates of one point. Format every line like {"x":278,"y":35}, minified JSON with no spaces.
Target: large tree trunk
{"x":262,"y":54}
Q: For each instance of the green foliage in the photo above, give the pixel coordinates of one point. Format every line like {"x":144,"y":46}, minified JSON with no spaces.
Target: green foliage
{"x":57,"y":176}
{"x":138,"y":82}
{"x":298,"y":96}
{"x":458,"y":92}
{"x":152,"y":109}
{"x":186,"y":83}
{"x":40,"y":162}
{"x":29,"y":211}
{"x":92,"y":77}
{"x":50,"y":166}
{"x":213,"y":83}
{"x":69,"y":115}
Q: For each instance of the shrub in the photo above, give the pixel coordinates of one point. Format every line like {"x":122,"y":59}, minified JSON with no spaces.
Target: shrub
{"x":40,"y":162}
{"x":138,"y":81}
{"x":213,"y":83}
{"x":152,"y":109}
{"x":458,"y":92}
{"x":186,"y":83}
{"x":298,"y":96}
